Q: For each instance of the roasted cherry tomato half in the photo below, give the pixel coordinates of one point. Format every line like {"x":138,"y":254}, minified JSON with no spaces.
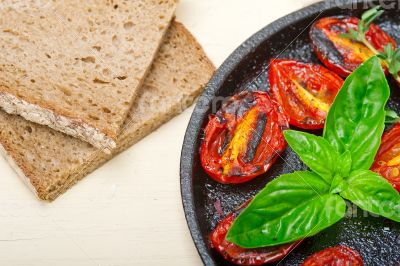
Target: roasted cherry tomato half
{"x":336,"y":256}
{"x":305,"y":91}
{"x":341,"y":54}
{"x":387,"y":160}
{"x":242,"y":256}
{"x":244,"y":138}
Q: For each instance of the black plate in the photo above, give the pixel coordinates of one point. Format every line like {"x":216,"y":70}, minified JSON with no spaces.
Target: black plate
{"x":377,"y":239}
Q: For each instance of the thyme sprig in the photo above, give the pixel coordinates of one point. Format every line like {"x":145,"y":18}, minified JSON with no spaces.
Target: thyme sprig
{"x":390,"y":57}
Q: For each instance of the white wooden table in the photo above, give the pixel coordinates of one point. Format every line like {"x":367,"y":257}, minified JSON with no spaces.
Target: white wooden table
{"x":129,"y":212}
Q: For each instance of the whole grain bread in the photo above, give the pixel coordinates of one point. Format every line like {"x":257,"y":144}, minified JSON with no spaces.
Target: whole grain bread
{"x":76,"y":66}
{"x":51,"y":162}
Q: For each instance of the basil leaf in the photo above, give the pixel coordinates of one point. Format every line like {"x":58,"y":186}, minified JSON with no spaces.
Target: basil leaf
{"x":338,"y":184}
{"x":355,"y":120}
{"x":343,"y":168}
{"x":291,"y":207}
{"x":373,"y":193}
{"x":344,"y":165}
{"x":315,"y":152}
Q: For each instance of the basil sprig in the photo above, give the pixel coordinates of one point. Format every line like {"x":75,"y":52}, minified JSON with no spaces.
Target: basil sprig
{"x":301,"y":204}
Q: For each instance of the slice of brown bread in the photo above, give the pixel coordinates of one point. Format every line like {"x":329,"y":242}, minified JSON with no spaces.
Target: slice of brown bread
{"x":51,"y":162}
{"x":76,"y":66}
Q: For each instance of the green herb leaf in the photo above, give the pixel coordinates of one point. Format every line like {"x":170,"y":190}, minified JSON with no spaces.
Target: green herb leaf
{"x":392,"y":58}
{"x":361,"y":28}
{"x":370,"y":13}
{"x":373,"y":193}
{"x":352,"y":35}
{"x":394,"y":63}
{"x":369,"y":16}
{"x":338,"y":184}
{"x":355,"y":120}
{"x":391,"y":117}
{"x":343,"y":167}
{"x":291,"y":207}
{"x":315,"y":152}
{"x":387,"y":52}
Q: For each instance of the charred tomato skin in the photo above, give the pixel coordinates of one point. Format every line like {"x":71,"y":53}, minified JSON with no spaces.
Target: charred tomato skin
{"x":342,"y":55}
{"x":334,"y":256}
{"x":244,"y":138}
{"x":387,"y":160}
{"x":305,"y":91}
{"x":242,"y":256}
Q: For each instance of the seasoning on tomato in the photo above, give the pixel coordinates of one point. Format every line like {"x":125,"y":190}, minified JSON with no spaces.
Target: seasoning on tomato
{"x":335,"y":256}
{"x":342,"y":54}
{"x":244,"y":138}
{"x":305,"y":91}
{"x":242,"y":256}
{"x":387,"y":160}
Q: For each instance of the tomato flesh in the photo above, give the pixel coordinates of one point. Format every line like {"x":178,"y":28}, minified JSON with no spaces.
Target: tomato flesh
{"x":387,"y":160}
{"x":243,"y":139}
{"x":335,"y":256}
{"x":341,"y":54}
{"x":242,"y":256}
{"x":305,"y":91}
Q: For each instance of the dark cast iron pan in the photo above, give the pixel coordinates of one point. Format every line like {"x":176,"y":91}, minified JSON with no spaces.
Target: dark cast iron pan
{"x":377,"y":239}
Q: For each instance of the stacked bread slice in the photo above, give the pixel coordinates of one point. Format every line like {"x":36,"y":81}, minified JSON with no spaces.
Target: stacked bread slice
{"x":50,"y":161}
{"x":77,"y":66}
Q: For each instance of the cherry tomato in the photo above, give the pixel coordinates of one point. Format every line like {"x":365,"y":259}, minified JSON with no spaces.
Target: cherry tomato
{"x":305,"y":91}
{"x":243,"y":139}
{"x":387,"y":160}
{"x":336,"y":256}
{"x":242,"y":256}
{"x":341,"y":54}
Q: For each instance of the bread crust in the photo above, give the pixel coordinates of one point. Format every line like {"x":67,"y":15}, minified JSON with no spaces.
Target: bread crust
{"x":57,"y":121}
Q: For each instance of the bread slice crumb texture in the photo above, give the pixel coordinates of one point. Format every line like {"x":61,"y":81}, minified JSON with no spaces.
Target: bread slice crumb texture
{"x":51,"y":162}
{"x":76,"y":66}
